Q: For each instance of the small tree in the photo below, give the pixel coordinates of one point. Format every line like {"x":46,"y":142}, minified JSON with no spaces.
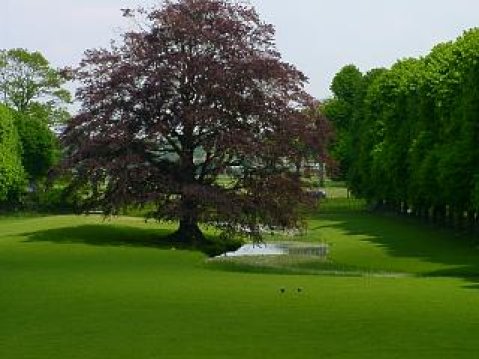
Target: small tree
{"x":198,"y":92}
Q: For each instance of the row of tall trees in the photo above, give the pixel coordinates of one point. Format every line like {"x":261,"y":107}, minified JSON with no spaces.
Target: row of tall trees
{"x":32,"y":102}
{"x":409,"y":135}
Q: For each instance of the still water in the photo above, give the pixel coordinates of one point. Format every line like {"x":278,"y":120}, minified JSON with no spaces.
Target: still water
{"x":275,"y":249}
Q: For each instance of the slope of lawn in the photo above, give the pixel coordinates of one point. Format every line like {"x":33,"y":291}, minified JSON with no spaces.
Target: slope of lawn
{"x":78,"y":287}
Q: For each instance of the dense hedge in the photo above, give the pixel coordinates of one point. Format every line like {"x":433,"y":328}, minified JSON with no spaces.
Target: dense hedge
{"x":413,"y":137}
{"x":12,"y":175}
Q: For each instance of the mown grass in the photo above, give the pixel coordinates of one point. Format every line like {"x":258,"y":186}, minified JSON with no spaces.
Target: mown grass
{"x":81,"y":287}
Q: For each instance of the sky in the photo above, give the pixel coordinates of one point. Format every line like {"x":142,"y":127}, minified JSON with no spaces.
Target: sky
{"x":317,"y":36}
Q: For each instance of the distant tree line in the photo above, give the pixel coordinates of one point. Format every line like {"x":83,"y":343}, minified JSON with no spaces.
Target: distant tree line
{"x":408,"y":136}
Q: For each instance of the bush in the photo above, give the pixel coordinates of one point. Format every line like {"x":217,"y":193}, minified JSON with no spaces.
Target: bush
{"x":39,"y":145}
{"x":12,"y":174}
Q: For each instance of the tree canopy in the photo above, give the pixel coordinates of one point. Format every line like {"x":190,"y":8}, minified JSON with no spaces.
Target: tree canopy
{"x":417,"y":134}
{"x":348,"y":91}
{"x":198,"y":91}
{"x":27,"y":81}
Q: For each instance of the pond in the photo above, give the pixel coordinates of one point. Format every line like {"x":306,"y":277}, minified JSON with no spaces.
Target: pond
{"x":283,"y":248}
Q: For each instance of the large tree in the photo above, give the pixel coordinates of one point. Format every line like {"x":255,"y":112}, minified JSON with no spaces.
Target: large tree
{"x":199,"y":90}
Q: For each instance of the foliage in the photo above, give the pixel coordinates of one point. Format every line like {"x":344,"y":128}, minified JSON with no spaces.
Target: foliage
{"x":40,"y":149}
{"x":27,"y":79}
{"x":198,"y":77}
{"x":12,"y":176}
{"x":311,"y":144}
{"x":34,"y":92}
{"x":347,"y":88}
{"x":418,"y":135}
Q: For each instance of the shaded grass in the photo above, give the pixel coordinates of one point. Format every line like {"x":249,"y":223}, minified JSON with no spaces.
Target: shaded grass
{"x":341,"y":204}
{"x":109,"y":234}
{"x":101,"y":235}
{"x":396,"y":244}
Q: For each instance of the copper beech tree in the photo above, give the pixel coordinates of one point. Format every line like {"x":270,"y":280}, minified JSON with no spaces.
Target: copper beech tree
{"x":197,"y":94}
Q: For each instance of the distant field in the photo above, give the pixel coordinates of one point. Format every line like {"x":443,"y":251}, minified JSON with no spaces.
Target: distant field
{"x":78,"y":287}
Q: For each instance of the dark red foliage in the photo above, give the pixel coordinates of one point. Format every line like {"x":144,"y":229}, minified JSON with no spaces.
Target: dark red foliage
{"x":199,"y":91}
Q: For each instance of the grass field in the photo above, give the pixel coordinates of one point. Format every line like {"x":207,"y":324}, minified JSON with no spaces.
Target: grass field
{"x":78,"y":287}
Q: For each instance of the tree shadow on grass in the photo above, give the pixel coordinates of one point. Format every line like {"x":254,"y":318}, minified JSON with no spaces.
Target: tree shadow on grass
{"x":102,"y":235}
{"x":458,"y":255}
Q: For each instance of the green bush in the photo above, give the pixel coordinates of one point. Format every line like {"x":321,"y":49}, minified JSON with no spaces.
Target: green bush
{"x":12,"y":174}
{"x":39,"y":145}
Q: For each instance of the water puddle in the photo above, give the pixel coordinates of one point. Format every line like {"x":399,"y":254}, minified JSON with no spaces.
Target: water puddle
{"x":277,"y":249}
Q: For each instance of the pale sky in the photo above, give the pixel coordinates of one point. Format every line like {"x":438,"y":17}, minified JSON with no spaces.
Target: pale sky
{"x":318,"y":36}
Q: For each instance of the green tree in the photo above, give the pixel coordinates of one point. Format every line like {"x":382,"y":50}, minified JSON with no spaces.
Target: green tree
{"x":347,"y":88}
{"x":415,"y":133}
{"x":29,"y":83}
{"x":34,"y":91}
{"x":367,"y":134}
{"x":40,"y":148}
{"x":12,"y":176}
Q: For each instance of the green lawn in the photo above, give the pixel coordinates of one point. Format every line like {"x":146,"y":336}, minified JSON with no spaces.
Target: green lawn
{"x":78,"y":287}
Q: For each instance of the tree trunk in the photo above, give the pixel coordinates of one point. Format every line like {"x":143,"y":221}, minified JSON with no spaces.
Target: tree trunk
{"x":439,"y":215}
{"x":188,"y":232}
{"x":450,"y":217}
{"x":298,"y":166}
{"x":470,"y":220}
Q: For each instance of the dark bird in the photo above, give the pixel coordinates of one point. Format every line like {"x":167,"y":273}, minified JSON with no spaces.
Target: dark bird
{"x":282,"y":290}
{"x":127,"y":12}
{"x":300,"y":290}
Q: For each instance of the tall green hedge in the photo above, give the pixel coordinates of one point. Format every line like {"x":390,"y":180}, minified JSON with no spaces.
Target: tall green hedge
{"x":12,"y":175}
{"x":416,"y":134}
